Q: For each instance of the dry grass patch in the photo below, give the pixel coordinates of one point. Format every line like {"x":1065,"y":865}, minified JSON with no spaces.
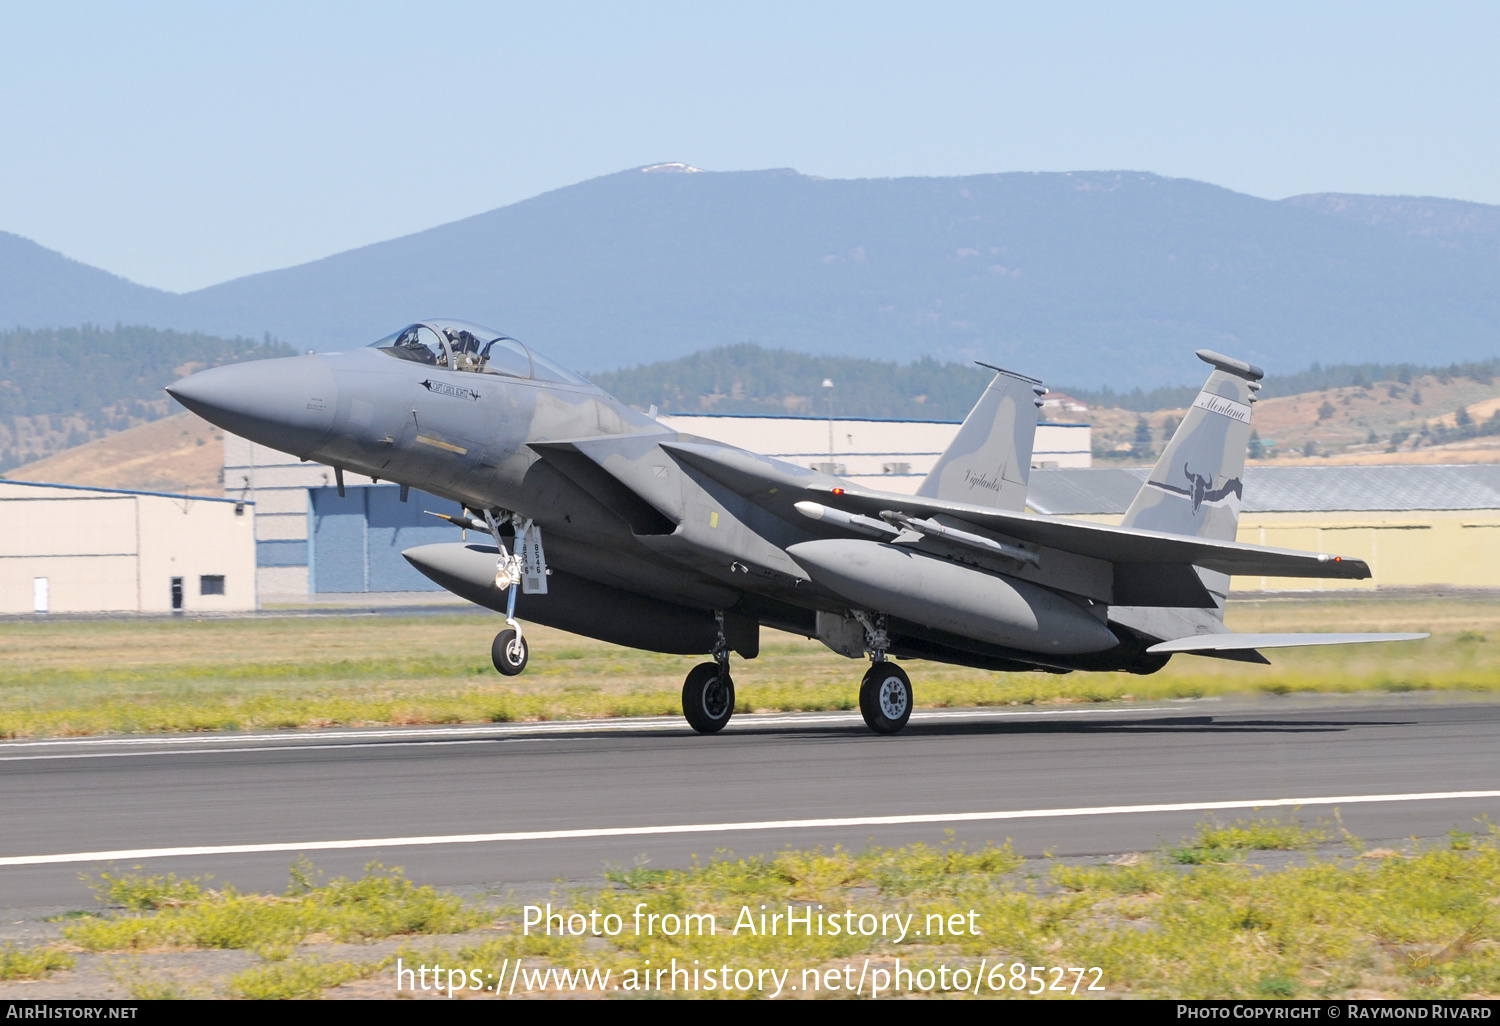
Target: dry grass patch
{"x":68,"y":677}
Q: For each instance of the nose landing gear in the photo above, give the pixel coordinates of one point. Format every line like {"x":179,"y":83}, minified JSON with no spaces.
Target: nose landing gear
{"x":708,"y":692}
{"x":525,"y":568}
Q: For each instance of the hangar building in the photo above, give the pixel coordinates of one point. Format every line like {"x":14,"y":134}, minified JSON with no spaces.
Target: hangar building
{"x":309,"y":540}
{"x":69,"y":549}
{"x":1417,"y":526}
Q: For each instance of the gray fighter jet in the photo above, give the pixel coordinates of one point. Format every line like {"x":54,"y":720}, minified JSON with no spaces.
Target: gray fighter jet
{"x":672,"y":543}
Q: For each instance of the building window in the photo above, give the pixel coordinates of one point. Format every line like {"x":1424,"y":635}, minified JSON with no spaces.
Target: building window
{"x":211,"y":584}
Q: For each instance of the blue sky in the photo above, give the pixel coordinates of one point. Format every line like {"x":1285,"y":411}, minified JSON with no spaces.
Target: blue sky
{"x":184,"y":144}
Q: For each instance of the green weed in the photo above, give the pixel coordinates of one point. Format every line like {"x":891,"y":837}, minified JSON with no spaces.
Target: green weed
{"x":141,"y":893}
{"x":1216,"y":842}
{"x":32,"y":963}
{"x":1260,"y":835}
{"x":296,"y":978}
{"x":382,"y":903}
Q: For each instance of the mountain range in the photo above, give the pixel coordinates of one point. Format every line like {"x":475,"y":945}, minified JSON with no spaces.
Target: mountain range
{"x":1090,"y":278}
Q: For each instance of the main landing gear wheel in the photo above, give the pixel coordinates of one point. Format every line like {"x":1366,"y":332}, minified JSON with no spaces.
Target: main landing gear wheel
{"x":509,"y":652}
{"x":885,"y":698}
{"x":708,"y":697}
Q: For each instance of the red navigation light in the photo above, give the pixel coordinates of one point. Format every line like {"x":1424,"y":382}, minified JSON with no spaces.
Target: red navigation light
{"x":838,"y":491}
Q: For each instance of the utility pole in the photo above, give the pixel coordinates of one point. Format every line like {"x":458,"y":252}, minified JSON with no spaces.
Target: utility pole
{"x":828,"y":384}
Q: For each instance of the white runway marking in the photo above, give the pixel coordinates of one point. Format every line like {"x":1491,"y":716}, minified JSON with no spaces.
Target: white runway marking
{"x":717,"y":828}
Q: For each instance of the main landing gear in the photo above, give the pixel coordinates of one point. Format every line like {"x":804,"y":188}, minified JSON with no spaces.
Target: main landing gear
{"x":708,"y":692}
{"x":885,"y":696}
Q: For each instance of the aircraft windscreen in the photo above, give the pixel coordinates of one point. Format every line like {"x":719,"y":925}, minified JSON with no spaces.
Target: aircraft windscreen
{"x":461,"y":346}
{"x":418,"y":343}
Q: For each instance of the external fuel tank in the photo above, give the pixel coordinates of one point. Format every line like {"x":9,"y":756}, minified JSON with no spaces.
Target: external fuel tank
{"x":946,"y":596}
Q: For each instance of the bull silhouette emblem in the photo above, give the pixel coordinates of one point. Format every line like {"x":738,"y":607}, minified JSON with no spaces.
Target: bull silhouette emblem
{"x":1199,"y":491}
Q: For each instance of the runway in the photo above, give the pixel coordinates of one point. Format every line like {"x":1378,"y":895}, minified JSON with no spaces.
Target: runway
{"x":523,"y":805}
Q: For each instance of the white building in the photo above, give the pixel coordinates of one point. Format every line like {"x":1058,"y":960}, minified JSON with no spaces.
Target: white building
{"x":891,"y":455}
{"x":70,"y":549}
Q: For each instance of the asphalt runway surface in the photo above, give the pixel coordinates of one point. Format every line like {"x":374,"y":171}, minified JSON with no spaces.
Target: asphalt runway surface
{"x":519,"y":806}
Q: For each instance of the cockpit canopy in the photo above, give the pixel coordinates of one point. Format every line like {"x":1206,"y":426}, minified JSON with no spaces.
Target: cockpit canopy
{"x":461,"y":346}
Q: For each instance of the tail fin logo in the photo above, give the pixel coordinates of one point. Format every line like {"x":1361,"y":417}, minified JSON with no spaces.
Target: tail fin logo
{"x":1199,"y":491}
{"x":975,"y":479}
{"x":1223,"y":406}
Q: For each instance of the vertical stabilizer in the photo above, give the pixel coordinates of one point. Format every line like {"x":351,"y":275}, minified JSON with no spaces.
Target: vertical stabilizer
{"x":1197,"y":488}
{"x":990,"y":459}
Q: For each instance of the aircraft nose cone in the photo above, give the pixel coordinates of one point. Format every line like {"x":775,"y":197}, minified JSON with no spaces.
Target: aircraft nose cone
{"x":287,"y":404}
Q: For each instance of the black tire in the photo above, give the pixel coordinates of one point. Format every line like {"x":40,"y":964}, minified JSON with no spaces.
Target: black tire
{"x":885,"y":698}
{"x":509,"y":652}
{"x":708,"y":698}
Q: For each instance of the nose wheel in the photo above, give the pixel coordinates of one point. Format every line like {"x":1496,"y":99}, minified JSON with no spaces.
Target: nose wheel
{"x":509,"y":652}
{"x":885,"y":697}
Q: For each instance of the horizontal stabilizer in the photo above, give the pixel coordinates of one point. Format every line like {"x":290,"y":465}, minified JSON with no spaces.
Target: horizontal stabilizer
{"x":1237,"y":642}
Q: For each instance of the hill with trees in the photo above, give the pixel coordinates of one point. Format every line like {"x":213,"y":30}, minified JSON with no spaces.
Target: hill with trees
{"x":62,"y":388}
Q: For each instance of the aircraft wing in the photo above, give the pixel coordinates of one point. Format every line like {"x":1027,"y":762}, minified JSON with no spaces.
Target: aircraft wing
{"x":1239,"y":642}
{"x":775,"y":484}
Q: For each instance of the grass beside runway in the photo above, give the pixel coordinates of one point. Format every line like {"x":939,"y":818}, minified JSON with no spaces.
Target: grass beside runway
{"x":74,"y":677}
{"x":1202,"y":919}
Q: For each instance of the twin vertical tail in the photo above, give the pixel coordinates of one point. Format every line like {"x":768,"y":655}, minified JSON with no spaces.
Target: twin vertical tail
{"x":989,"y":461}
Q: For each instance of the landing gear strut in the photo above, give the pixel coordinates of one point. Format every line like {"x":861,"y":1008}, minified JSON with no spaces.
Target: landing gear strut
{"x":708,"y":692}
{"x":509,"y":651}
{"x":885,"y":696}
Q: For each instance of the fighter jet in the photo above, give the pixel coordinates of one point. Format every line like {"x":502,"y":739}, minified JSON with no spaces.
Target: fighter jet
{"x":668,"y":542}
